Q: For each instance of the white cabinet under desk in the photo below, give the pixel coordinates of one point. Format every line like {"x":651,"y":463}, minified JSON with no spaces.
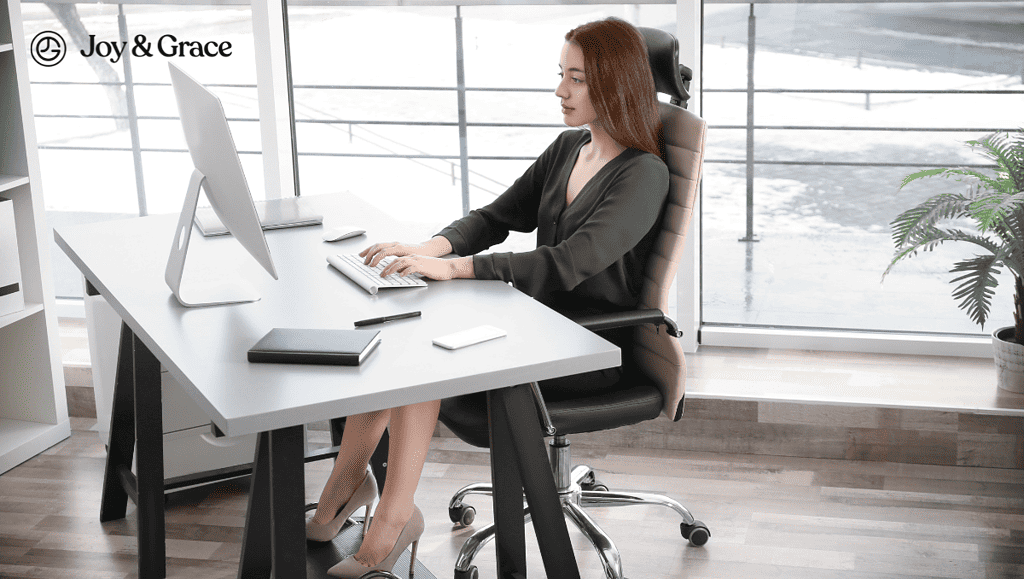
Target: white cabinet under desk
{"x":190,"y":445}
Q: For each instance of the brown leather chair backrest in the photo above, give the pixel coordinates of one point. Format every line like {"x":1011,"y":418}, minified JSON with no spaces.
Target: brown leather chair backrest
{"x":658,"y":353}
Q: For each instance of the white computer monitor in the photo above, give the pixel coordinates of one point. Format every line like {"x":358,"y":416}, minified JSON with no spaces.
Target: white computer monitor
{"x":218,"y":171}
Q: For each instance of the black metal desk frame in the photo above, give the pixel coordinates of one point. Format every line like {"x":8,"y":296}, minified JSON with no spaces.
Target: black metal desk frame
{"x":274,"y":537}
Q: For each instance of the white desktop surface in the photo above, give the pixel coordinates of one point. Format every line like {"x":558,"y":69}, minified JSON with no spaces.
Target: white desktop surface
{"x":205,"y":348}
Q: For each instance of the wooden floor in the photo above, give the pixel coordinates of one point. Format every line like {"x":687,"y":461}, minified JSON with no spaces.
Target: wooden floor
{"x":769,"y":516}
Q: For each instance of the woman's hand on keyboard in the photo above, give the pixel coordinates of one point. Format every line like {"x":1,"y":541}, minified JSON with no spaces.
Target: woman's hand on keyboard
{"x":436,"y":247}
{"x":430,"y":267}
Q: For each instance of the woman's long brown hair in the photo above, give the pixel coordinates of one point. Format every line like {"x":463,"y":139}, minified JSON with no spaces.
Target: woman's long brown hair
{"x":620,"y":84}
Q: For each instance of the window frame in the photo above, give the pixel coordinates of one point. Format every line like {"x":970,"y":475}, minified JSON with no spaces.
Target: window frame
{"x":689,"y":31}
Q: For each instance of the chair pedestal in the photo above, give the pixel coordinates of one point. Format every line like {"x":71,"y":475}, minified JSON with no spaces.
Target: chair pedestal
{"x":577,"y":488}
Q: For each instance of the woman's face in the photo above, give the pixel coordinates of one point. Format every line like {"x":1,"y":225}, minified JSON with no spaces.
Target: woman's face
{"x":577,"y":109}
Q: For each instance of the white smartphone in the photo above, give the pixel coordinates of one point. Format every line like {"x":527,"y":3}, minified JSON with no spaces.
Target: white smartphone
{"x":469,"y":337}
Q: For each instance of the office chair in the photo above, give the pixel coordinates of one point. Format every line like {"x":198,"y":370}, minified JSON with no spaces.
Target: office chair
{"x":657,"y":384}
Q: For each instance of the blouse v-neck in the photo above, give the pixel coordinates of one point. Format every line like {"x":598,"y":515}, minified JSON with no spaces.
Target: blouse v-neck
{"x":571,"y":166}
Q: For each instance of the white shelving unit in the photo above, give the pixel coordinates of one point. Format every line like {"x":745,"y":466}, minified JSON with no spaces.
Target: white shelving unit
{"x":33,"y":402}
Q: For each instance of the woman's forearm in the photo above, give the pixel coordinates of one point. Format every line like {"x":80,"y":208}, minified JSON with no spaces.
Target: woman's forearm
{"x":439,"y":246}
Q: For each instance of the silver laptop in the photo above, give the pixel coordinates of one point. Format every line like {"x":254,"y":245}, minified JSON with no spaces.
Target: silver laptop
{"x":273,"y":214}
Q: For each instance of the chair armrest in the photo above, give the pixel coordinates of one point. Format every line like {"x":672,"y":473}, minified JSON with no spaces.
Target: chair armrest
{"x":610,"y":321}
{"x":598,"y":322}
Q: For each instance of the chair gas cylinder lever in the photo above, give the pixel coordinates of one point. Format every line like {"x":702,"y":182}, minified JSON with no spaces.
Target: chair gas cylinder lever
{"x":549,"y":427}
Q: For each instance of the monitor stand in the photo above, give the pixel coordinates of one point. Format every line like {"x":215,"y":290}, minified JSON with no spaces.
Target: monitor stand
{"x":199,"y":293}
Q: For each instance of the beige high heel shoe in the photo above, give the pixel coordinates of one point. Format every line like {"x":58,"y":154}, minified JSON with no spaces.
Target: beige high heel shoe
{"x":364,"y":496}
{"x":349,"y":568}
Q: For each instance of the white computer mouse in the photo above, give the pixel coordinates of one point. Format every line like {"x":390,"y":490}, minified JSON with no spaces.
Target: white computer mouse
{"x":342,"y":232}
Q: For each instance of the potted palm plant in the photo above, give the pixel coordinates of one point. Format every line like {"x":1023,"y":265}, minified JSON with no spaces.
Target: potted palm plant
{"x":990,"y":215}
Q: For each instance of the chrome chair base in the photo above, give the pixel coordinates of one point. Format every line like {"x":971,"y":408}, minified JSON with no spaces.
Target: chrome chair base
{"x":576,"y":489}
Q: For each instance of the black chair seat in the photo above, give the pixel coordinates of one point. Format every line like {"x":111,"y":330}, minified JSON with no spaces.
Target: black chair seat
{"x":637,"y":401}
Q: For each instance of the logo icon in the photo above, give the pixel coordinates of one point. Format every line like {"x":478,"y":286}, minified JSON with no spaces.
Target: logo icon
{"x":48,"y":48}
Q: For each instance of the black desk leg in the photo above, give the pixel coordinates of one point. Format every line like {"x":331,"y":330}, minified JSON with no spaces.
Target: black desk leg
{"x":287,"y":506}
{"x":255,"y":562}
{"x":121,"y":441}
{"x":137,"y":419}
{"x":149,"y":434}
{"x":520,"y":463}
{"x":507,"y":482}
{"x":275,"y":536}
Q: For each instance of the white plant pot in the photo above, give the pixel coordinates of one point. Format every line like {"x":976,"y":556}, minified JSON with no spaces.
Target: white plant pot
{"x":1009,"y":358}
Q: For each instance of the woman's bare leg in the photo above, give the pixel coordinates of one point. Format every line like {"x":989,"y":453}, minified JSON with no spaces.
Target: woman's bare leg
{"x":358,"y":441}
{"x":410,"y":432}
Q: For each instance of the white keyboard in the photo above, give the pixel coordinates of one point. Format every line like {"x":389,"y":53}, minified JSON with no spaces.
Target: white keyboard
{"x":368,"y":277}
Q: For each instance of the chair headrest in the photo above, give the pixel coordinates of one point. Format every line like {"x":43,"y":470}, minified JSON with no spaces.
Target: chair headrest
{"x":670,"y":77}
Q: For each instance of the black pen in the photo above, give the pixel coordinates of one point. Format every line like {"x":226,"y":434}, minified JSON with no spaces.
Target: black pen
{"x":372,"y":321}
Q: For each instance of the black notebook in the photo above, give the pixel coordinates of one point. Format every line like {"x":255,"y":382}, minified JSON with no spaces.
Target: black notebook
{"x":314,"y":346}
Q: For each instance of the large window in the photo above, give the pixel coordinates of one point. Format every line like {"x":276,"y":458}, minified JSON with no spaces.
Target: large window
{"x":817,"y":112}
{"x":814,"y":119}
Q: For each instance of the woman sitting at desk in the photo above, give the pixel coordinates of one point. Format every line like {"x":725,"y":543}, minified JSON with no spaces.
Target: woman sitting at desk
{"x":594,"y":197}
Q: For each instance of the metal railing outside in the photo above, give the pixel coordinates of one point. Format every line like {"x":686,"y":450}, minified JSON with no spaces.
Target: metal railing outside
{"x":462,"y":159}
{"x":750,"y":127}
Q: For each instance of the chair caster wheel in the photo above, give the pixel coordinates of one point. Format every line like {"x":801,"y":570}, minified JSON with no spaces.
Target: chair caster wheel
{"x":471,"y":573}
{"x":697,"y":533}
{"x":462,"y":515}
{"x":594,"y":485}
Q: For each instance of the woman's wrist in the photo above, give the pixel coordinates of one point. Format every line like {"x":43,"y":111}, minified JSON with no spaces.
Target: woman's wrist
{"x":461,"y":268}
{"x":439,"y":246}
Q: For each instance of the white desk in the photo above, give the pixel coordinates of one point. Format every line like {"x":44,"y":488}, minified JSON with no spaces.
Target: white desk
{"x":205,"y":350}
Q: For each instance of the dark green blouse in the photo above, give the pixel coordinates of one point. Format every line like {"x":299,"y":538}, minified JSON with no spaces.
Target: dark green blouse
{"x":590,"y":255}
